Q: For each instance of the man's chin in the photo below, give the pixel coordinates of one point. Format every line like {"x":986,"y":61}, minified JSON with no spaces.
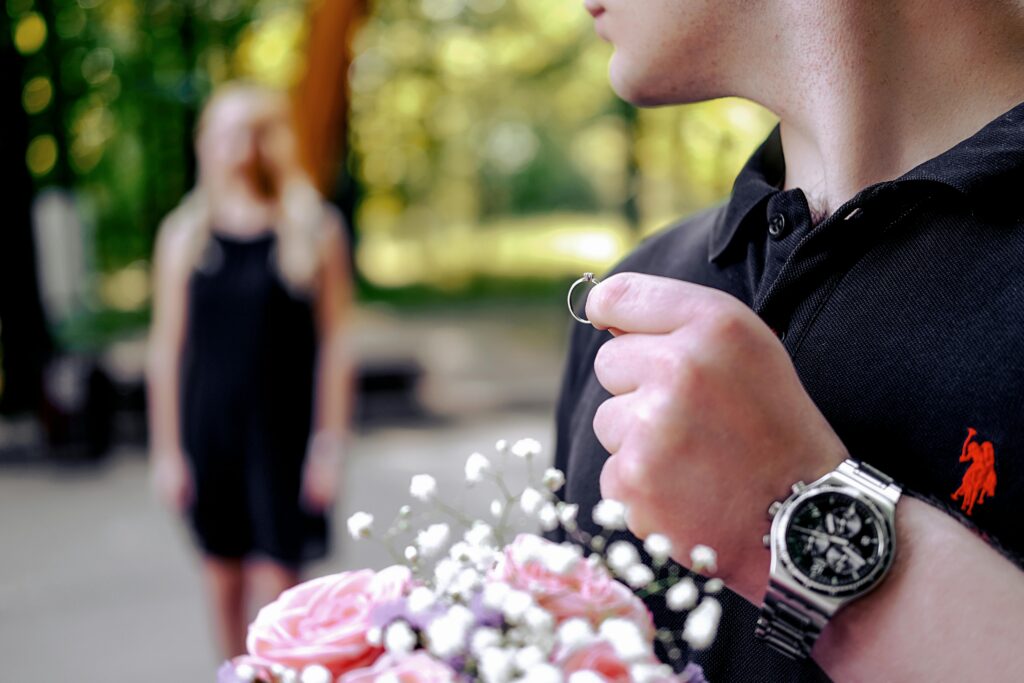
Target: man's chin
{"x":636,"y":87}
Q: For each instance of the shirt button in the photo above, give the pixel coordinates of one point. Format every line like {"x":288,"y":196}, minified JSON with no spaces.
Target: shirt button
{"x":777,"y":225}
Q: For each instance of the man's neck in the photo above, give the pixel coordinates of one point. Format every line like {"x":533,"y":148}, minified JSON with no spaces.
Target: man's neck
{"x":880,"y":90}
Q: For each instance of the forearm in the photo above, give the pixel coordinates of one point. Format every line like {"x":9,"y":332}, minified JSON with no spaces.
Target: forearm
{"x":163,"y":401}
{"x":952,"y":609}
{"x":334,"y":386}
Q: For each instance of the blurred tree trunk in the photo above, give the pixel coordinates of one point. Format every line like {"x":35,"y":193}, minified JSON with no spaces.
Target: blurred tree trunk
{"x":322,"y":97}
{"x":24,"y":338}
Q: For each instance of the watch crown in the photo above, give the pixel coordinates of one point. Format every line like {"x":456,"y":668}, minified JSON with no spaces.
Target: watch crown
{"x":774,"y":508}
{"x":799,"y":486}
{"x":767,"y":540}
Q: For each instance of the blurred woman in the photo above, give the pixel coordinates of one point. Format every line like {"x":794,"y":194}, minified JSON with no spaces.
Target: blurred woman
{"x":249,"y":371}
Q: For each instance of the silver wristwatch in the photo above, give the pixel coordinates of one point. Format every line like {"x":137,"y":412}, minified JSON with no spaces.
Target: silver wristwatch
{"x":832,"y":541}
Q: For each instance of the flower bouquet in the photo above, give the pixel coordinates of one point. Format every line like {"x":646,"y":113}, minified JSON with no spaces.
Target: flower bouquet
{"x":476,"y":607}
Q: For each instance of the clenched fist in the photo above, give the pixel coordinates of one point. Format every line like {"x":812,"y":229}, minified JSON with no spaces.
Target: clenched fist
{"x":708,"y":422}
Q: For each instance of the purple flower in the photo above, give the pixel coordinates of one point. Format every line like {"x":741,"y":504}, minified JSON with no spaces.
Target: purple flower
{"x":693,"y":673}
{"x":226,"y":674}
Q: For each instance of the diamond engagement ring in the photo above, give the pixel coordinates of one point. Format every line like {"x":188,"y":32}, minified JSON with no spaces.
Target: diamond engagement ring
{"x":588,"y":278}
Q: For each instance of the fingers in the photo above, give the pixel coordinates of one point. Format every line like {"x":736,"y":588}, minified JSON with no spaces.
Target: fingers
{"x":612,"y":421}
{"x":633,"y":302}
{"x":624,"y":363}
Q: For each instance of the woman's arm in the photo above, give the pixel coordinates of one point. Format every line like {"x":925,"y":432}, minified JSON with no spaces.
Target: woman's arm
{"x":952,"y":610}
{"x":333,"y":401}
{"x":167,"y":333}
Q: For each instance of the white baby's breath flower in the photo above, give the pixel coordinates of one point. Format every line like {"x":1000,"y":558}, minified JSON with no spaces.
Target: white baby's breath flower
{"x":548,"y":517}
{"x":448,"y":634}
{"x":476,"y":467}
{"x":374,"y":636}
{"x":560,"y":558}
{"x":420,"y":600}
{"x":480,"y":535}
{"x":554,"y":479}
{"x":497,"y":508}
{"x":423,"y":487}
{"x":500,"y":445}
{"x":610,"y":514}
{"x":526,"y":448}
{"x":466,"y":583}
{"x":245,"y":672}
{"x":528,"y":657}
{"x":646,"y":672}
{"x":542,"y":672}
{"x":411,"y":553}
{"x":515,"y":605}
{"x":682,"y":596}
{"x":621,"y":556}
{"x":714,"y":585}
{"x":625,"y":637}
{"x":360,"y":525}
{"x":539,"y":620}
{"x":494,"y":594}
{"x":460,"y":552}
{"x":387,"y":677}
{"x":702,"y":624}
{"x":586,"y":677}
{"x":530,"y":500}
{"x":638,"y":576}
{"x":431,"y":540}
{"x":658,"y":547}
{"x":496,"y":665}
{"x":399,"y":639}
{"x":703,"y":559}
{"x":316,"y":674}
{"x":575,"y":633}
{"x":445,"y":572}
{"x":567,"y":513}
{"x":484,"y":638}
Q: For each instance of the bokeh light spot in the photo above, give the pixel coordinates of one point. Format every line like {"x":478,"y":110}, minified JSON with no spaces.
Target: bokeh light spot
{"x":30,"y":33}
{"x":37,"y":94}
{"x":42,"y":155}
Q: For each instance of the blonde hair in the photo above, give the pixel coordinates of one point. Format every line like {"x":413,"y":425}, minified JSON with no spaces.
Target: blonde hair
{"x":300,"y":208}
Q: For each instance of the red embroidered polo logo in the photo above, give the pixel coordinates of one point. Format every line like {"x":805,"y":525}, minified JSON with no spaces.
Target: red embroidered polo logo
{"x":980,"y":478}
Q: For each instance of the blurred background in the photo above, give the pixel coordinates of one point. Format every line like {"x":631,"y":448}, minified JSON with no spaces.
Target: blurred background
{"x":482,"y":163}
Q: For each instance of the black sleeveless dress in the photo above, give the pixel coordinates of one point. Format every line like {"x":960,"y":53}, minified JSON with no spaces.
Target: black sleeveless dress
{"x":248,"y":379}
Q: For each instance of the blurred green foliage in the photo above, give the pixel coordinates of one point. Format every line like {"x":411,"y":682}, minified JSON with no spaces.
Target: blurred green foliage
{"x":486,"y":143}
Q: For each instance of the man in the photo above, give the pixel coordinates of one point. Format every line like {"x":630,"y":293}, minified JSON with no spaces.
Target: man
{"x":860,"y":295}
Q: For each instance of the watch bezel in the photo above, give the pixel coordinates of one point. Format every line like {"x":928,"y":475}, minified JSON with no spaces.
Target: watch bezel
{"x":885,"y":541}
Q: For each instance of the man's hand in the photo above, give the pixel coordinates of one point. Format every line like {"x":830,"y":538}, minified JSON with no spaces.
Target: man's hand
{"x":708,"y":422}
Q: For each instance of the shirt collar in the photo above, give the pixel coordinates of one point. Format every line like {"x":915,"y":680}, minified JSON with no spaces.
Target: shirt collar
{"x":760,"y":177}
{"x":990,"y":161}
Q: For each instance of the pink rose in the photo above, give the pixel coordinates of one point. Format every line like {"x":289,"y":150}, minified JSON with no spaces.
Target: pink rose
{"x":415,"y":668}
{"x":600,"y":658}
{"x":325,"y":621}
{"x":576,"y":589}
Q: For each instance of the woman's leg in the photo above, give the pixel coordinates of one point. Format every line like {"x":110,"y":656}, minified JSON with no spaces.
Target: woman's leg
{"x":226,"y":588}
{"x":266,"y":579}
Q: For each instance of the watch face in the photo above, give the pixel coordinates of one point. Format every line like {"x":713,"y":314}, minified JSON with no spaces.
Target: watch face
{"x":836,"y":543}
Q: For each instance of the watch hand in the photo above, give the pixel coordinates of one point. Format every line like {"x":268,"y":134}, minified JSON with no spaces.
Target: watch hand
{"x":855,"y":559}
{"x":837,"y":540}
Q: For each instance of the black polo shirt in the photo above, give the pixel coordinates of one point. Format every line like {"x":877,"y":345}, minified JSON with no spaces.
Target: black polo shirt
{"x":904,"y":315}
